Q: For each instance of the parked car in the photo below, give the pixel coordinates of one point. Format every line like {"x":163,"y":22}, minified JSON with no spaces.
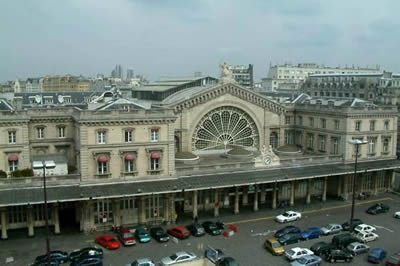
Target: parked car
{"x":108,"y":242}
{"x":331,"y":229}
{"x":142,"y":262}
{"x":212,"y":228}
{"x":179,"y":232}
{"x":296,"y":253}
{"x":366,"y":236}
{"x":142,"y":235}
{"x":214,"y":255}
{"x":288,"y":217}
{"x":343,"y":240}
{"x":396,"y":215}
{"x":227,"y":261}
{"x":290,"y":238}
{"x":338,"y":255}
{"x":378,"y":208}
{"x":286,"y":230}
{"x":346,"y":225}
{"x":274,"y":246}
{"x":56,"y":255}
{"x":376,"y":255}
{"x":159,"y":234}
{"x":320,"y":248}
{"x":196,"y":229}
{"x":364,"y":228}
{"x":178,"y":257}
{"x":356,"y":248}
{"x":85,"y":252}
{"x":89,"y":261}
{"x":312,"y":232}
{"x":308,"y":260}
{"x":126,"y":237}
{"x":44,"y":263}
{"x":394,"y":260}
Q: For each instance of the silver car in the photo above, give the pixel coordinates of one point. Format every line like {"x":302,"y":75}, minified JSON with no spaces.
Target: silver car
{"x":142,"y":262}
{"x":356,"y":248}
{"x":178,"y":257}
{"x":331,"y":229}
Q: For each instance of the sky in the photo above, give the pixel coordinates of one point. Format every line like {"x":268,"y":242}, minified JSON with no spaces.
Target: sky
{"x":175,"y":38}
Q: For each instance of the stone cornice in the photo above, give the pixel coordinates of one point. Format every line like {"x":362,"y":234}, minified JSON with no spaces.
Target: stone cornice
{"x":232,"y":89}
{"x":143,"y":121}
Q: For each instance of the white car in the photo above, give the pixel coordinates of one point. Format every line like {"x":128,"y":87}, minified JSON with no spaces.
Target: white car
{"x":364,"y":228}
{"x":296,"y":253}
{"x":396,"y":215}
{"x":178,"y":257}
{"x":366,"y":236}
{"x":288,"y":217}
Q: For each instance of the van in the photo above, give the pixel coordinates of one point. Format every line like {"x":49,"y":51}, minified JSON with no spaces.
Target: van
{"x":343,"y":240}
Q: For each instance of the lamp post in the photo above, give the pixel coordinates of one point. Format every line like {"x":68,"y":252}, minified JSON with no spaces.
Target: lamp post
{"x":357,"y":144}
{"x":45,"y":165}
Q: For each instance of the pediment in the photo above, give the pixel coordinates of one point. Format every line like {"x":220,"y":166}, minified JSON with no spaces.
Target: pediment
{"x":205,"y":95}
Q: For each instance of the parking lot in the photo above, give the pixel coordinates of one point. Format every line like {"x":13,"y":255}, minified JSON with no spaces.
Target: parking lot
{"x":246,"y":246}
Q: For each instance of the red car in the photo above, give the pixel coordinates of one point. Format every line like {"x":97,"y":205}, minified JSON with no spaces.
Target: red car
{"x":126,"y":237}
{"x":394,"y":260}
{"x":108,"y":242}
{"x":179,"y":232}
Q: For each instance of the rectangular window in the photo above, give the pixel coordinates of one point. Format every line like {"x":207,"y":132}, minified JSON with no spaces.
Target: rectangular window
{"x":61,"y":132}
{"x":322,"y":143}
{"x":101,"y":137}
{"x":154,"y":135}
{"x":372,"y":125}
{"x":40,"y":132}
{"x":128,"y":136}
{"x":335,"y":146}
{"x":288,"y":120}
{"x":154,"y":164}
{"x":12,"y":166}
{"x":386,"y":125}
{"x":358,"y":126}
{"x":323,"y":122}
{"x":337,"y":124}
{"x":371,"y":146}
{"x":310,"y":141}
{"x":12,"y":137}
{"x":102,"y":168}
{"x":129,"y":166}
{"x":300,"y":120}
{"x":386,"y":145}
{"x":311,"y":121}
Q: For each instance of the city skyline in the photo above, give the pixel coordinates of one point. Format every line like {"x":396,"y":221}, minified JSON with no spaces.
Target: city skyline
{"x":177,"y":38}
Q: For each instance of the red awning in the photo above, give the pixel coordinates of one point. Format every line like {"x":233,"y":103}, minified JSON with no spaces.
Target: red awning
{"x":102,"y":159}
{"x":154,"y":130}
{"x":155,"y":155}
{"x":130,"y":157}
{"x":12,"y":158}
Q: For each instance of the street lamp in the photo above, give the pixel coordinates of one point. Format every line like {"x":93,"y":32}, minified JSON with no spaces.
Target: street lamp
{"x":45,"y":165}
{"x":357,"y":144}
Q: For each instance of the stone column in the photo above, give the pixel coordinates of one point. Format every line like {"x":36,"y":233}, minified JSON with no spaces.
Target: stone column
{"x":142,"y":211}
{"x":392,"y":181}
{"x":30,"y":221}
{"x":207,"y":200}
{"x":195,"y":205}
{"x":4,"y":234}
{"x":236,"y":208}
{"x":325,"y":187}
{"x":255,"y":206}
{"x":308,"y":197}
{"x":292,"y":188}
{"x":274,"y":196}
{"x":262,"y":194}
{"x":345,"y":191}
{"x":375,"y":183}
{"x":56,"y":220}
{"x":245,"y":196}
{"x":216,"y":203}
{"x":172,"y":211}
{"x":87,"y":215}
{"x":116,"y":209}
{"x":226,"y":198}
{"x":166,"y":207}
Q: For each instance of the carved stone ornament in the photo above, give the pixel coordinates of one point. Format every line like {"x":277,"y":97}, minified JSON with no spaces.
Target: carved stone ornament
{"x":267,"y":158}
{"x":226,"y":74}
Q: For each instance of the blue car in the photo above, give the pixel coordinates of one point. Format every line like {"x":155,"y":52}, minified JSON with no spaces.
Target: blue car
{"x":142,"y":235}
{"x":57,"y":255}
{"x":90,"y":261}
{"x":377,"y":255}
{"x":312,"y":232}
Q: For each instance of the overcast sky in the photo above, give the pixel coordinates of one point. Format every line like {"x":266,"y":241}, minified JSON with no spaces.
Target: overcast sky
{"x":160,"y":38}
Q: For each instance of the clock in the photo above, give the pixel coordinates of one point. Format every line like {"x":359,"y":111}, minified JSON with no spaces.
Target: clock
{"x":267,"y":160}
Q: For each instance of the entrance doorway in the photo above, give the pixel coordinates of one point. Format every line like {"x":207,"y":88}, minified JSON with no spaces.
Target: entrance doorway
{"x":67,"y":217}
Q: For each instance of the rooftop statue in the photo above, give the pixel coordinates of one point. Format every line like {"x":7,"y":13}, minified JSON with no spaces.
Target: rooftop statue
{"x":226,"y":74}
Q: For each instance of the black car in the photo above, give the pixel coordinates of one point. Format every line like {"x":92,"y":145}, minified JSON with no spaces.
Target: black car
{"x":287,"y":230}
{"x":227,"y":261}
{"x":159,"y":234}
{"x":378,"y":208}
{"x":336,"y":255}
{"x":86,"y":252}
{"x":320,"y":248}
{"x":346,"y":225}
{"x":196,"y":229}
{"x":343,"y":240}
{"x":57,"y":255}
{"x":290,"y":238}
{"x":212,"y":228}
{"x":44,"y":263}
{"x":88,"y":262}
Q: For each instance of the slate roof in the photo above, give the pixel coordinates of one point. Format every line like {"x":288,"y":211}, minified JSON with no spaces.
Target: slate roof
{"x":77,"y":97}
{"x":76,"y":192}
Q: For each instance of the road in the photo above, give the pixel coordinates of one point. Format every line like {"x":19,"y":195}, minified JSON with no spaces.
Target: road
{"x":246,"y":245}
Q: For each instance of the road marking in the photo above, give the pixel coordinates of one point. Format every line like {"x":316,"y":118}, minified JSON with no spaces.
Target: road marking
{"x":264,"y":233}
{"x":382,"y":227}
{"x":310,"y":211}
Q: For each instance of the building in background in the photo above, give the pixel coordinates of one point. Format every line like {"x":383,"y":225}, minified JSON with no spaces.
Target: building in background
{"x":243,"y":75}
{"x":65,"y":83}
{"x":291,"y":77}
{"x":19,"y":85}
{"x":34,"y":85}
{"x":129,"y":74}
{"x":117,"y":72}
